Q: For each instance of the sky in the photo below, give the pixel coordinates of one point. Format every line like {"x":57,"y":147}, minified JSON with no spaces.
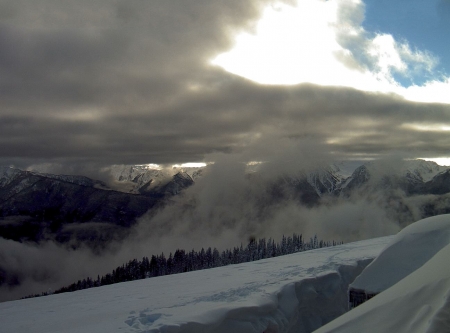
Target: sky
{"x":93,"y":83}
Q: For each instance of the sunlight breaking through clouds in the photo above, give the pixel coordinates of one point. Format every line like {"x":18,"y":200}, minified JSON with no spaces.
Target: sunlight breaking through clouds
{"x":286,"y":39}
{"x":427,"y":127}
{"x":323,"y":42}
{"x":439,"y":160}
{"x":95,"y":84}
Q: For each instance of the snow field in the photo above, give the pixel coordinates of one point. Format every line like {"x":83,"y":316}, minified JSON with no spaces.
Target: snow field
{"x":293,"y":293}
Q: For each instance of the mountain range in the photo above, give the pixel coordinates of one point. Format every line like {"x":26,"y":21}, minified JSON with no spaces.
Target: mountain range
{"x":37,"y":206}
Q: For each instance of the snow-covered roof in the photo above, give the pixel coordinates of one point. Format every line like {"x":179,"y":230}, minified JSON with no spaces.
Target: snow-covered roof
{"x":410,"y":249}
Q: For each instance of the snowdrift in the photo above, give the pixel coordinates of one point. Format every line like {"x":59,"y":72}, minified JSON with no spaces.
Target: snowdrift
{"x":410,"y":249}
{"x":293,"y":293}
{"x":413,"y":276}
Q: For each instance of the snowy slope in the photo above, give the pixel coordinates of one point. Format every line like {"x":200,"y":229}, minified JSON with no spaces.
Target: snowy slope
{"x":422,"y":170}
{"x":140,"y":179}
{"x":420,"y":302}
{"x":294,"y":293}
{"x":326,"y":180}
{"x":400,"y":174}
{"x":138,"y":176}
{"x":7,"y":175}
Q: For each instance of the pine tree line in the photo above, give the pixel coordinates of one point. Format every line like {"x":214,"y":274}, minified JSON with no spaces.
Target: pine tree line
{"x":181,"y":261}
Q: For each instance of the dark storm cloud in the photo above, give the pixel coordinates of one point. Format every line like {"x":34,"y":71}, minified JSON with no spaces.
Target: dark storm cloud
{"x":108,"y":82}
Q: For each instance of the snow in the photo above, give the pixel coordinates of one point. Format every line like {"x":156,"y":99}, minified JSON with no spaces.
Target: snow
{"x":420,"y":302}
{"x":325,"y":180}
{"x":423,"y":170}
{"x":294,"y":293}
{"x":410,"y":249}
{"x":7,"y":174}
{"x":138,"y":175}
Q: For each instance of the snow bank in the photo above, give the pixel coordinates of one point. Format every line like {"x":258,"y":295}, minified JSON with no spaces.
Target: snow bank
{"x":294,"y":293}
{"x":410,"y":249}
{"x":420,"y":302}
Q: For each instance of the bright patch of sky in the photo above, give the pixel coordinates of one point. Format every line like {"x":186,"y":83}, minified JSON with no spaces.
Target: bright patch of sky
{"x":423,"y":23}
{"x":183,"y":165}
{"x":368,"y":46}
{"x":439,"y":160}
{"x":152,"y":166}
{"x":190,"y":165}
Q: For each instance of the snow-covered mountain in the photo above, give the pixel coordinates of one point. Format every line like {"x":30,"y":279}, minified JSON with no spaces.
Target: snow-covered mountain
{"x":421,"y":170}
{"x":334,"y":179}
{"x":143,"y":179}
{"x":9,"y":175}
{"x":345,"y":178}
{"x":49,"y":201}
{"x":35,"y":206}
{"x":139,"y":176}
{"x":326,"y":180}
{"x":411,"y":176}
{"x":301,"y":292}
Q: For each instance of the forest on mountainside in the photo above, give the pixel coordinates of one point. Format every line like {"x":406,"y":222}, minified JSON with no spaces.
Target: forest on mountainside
{"x":182,"y":261}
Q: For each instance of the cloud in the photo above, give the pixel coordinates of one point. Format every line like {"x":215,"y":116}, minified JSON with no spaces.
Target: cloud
{"x":85,"y":85}
{"x":324,"y":42}
{"x":229,"y":204}
{"x":40,"y":267}
{"x":432,"y":91}
{"x":387,"y":63}
{"x":228,"y":118}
